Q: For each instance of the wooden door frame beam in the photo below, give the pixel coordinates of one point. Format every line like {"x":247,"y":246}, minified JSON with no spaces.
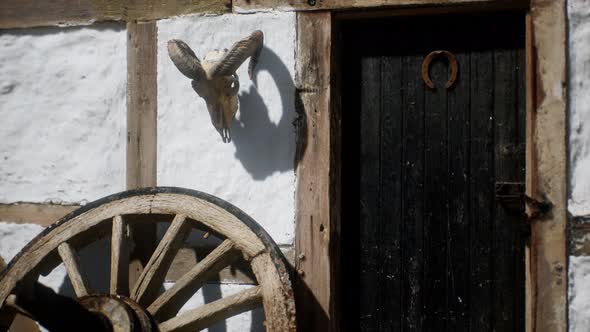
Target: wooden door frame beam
{"x":35,"y":13}
{"x":248,"y":6}
{"x":318,"y":186}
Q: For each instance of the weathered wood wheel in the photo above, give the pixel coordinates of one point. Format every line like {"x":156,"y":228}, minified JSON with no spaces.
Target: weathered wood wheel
{"x":144,"y":307}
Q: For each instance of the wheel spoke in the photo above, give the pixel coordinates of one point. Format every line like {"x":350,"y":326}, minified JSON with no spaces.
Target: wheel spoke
{"x":168,"y":304}
{"x":151,"y":279}
{"x":206,"y":315}
{"x":71,"y":262}
{"x":119,"y":258}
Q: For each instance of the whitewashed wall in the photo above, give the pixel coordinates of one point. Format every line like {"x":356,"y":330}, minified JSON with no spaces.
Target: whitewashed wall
{"x":579,"y":120}
{"x":62,"y":105}
{"x":254,"y":171}
{"x":62,"y":133}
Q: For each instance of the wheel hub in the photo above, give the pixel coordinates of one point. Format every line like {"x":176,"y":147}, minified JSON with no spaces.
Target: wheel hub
{"x":120,"y":313}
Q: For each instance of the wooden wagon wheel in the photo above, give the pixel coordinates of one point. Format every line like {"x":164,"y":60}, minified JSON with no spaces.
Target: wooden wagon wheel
{"x":144,"y":307}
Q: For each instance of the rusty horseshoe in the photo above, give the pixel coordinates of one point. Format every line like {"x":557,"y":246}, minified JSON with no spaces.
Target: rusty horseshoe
{"x":426,"y":67}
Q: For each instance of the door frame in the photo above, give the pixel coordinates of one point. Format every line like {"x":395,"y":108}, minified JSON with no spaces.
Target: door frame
{"x":317,"y":239}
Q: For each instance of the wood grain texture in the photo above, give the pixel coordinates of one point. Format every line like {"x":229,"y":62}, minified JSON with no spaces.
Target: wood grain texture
{"x":6,"y":317}
{"x":168,"y":304}
{"x":413,"y":188}
{"x":459,"y":262}
{"x":206,"y":315}
{"x":32,"y":213}
{"x":548,"y":180}
{"x":154,"y":273}
{"x":72,"y":263}
{"x":141,"y":104}
{"x":481,"y":188}
{"x":119,"y":282}
{"x":141,"y":131}
{"x":244,"y":6}
{"x":314,"y":287}
{"x":370,"y":194}
{"x":391,"y":124}
{"x":458,"y":189}
{"x":32,"y":13}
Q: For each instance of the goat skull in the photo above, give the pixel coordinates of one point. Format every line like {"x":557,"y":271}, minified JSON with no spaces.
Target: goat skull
{"x":215,"y":80}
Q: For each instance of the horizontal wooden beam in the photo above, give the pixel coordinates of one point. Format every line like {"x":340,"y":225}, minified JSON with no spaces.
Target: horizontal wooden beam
{"x":34,"y":13}
{"x":244,"y":6}
{"x":32,"y":213}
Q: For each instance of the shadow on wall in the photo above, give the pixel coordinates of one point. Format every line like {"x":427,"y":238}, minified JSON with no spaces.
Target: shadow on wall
{"x":262,"y":146}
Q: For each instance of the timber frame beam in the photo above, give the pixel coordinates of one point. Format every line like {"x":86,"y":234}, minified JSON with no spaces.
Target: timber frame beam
{"x":34,"y":13}
{"x":546,"y":162}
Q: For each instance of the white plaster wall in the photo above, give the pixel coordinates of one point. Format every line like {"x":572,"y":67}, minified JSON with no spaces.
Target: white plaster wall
{"x":579,"y":89}
{"x":62,"y":105}
{"x":579,"y":120}
{"x":254,"y":171}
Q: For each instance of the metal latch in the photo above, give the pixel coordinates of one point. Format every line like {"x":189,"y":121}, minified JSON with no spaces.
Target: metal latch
{"x":513,"y":199}
{"x":511,"y":196}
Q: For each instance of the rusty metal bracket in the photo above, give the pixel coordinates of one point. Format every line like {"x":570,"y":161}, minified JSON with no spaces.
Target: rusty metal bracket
{"x":426,"y":68}
{"x":512,"y":197}
{"x":536,"y":209}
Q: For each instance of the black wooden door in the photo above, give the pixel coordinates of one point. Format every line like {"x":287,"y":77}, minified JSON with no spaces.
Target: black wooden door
{"x":435,"y":246}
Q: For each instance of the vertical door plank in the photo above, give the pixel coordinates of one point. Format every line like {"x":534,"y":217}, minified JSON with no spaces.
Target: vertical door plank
{"x":481,"y":189}
{"x":413,"y":191}
{"x":369,"y":195}
{"x":506,"y":170}
{"x":391,"y":193}
{"x":458,"y":190}
{"x":435,"y":198}
{"x":520,"y":254}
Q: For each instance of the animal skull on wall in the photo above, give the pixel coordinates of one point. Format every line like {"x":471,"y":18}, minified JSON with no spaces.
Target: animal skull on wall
{"x":215,"y":80}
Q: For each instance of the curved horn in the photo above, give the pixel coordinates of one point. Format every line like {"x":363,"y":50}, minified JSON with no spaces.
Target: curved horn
{"x":185,"y":59}
{"x":239,"y":52}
